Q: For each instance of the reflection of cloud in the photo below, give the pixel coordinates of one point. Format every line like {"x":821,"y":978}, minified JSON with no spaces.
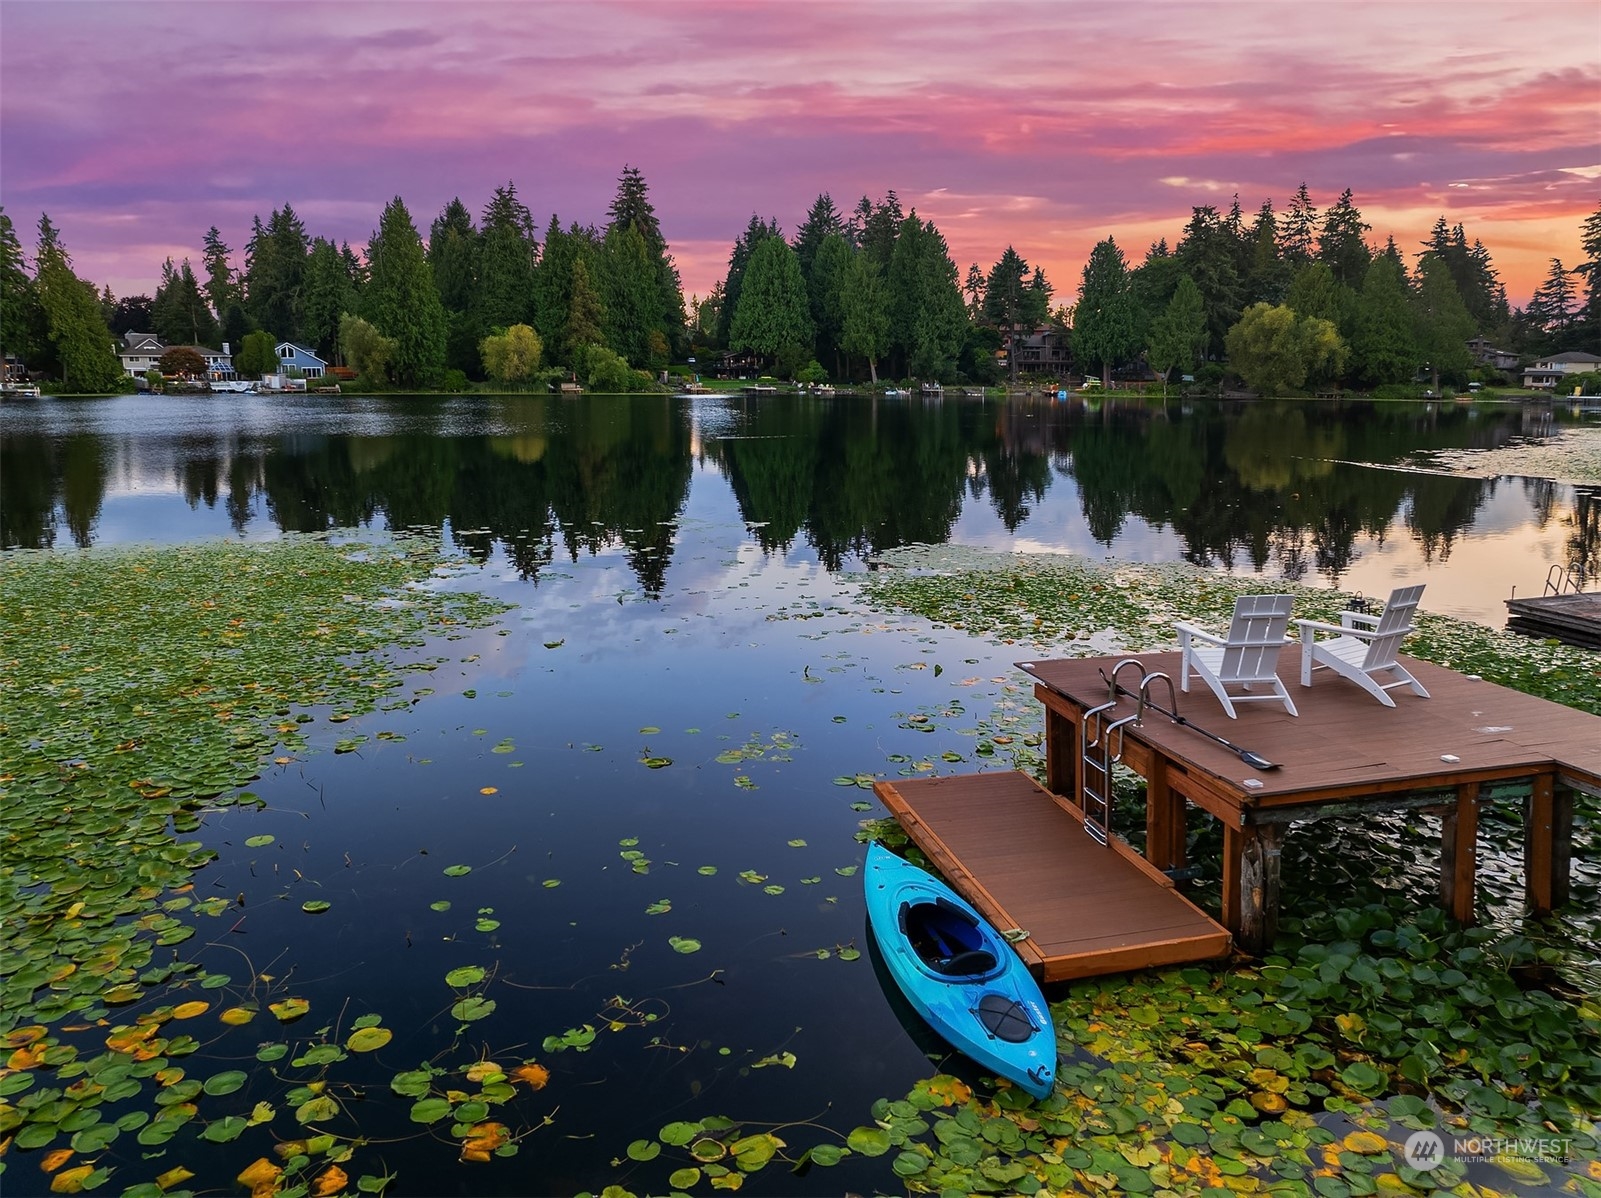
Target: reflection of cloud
{"x":996,"y":143}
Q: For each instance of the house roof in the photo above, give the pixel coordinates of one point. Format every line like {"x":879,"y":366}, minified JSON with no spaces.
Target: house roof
{"x":1572,"y":356}
{"x":141,"y":343}
{"x":304,"y":351}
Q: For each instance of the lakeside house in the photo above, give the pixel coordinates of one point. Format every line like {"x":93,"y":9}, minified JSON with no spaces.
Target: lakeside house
{"x":1547,"y":373}
{"x":292,"y":356}
{"x":141,"y":352}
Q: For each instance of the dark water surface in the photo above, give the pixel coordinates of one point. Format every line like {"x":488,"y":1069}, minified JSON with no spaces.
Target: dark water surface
{"x":689,"y":561}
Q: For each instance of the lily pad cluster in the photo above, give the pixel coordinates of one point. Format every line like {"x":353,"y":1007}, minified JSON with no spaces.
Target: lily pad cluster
{"x":141,"y":687}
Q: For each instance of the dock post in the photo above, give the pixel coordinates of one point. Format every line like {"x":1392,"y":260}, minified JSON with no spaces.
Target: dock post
{"x":1260,"y":846}
{"x":1547,"y":844}
{"x":1165,"y":840}
{"x":1459,"y":854}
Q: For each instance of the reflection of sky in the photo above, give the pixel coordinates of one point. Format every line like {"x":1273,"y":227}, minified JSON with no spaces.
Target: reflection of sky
{"x":147,"y":449}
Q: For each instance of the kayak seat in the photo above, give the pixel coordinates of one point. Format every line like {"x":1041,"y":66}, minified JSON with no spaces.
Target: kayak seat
{"x":974,"y":961}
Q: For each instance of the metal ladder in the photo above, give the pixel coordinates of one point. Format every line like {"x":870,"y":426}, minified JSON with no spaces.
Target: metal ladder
{"x":1100,"y":743}
{"x":1562,"y":581}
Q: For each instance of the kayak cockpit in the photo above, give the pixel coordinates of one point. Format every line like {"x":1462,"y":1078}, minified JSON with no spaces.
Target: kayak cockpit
{"x":946,"y":939}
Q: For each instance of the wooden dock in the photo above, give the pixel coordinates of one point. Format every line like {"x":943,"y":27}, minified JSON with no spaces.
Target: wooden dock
{"x":1021,"y":856}
{"x":1574,"y":618}
{"x":1344,"y":756}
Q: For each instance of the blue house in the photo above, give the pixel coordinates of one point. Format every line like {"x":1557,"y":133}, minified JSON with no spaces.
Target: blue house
{"x":292,"y":356}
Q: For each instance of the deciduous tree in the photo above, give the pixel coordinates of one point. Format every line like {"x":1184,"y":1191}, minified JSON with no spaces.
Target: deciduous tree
{"x":258,"y":354}
{"x":864,"y":313}
{"x":1274,"y":350}
{"x":512,"y":356}
{"x":366,"y":349}
{"x":184,"y":361}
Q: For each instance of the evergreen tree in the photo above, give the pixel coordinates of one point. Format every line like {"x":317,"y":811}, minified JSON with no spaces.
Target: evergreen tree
{"x":1298,"y":232}
{"x":554,"y":282}
{"x":826,"y":285}
{"x":507,"y":252}
{"x":881,"y":225}
{"x":179,"y":310}
{"x":973,"y":288}
{"x":1104,"y":326}
{"x":133,"y":314}
{"x":1011,"y":304}
{"x":1207,"y":254}
{"x":23,"y":330}
{"x":1341,"y":245}
{"x":632,"y":292}
{"x":822,"y":221}
{"x":1552,"y":305}
{"x":275,"y":270}
{"x":937,"y":328}
{"x":631,"y":209}
{"x":1314,"y":291}
{"x":1440,"y":320}
{"x":1383,"y":342}
{"x":1179,"y":335}
{"x":864,"y":312}
{"x":1267,"y":276}
{"x":401,"y":301}
{"x":1152,"y":285}
{"x":738,"y":259}
{"x":453,"y":256}
{"x":774,"y":316}
{"x":329,"y":293}
{"x":72,"y":317}
{"x":582,"y":328}
{"x":1588,"y":330}
{"x":220,"y":286}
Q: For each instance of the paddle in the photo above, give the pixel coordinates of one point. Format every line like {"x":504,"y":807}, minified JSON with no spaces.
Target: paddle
{"x":1254,"y":760}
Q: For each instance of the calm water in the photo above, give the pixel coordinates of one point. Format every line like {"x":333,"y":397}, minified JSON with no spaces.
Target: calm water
{"x":691,"y":561}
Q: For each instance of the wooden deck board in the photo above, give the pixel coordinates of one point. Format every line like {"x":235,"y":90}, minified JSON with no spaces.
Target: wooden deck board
{"x":1023,"y":859}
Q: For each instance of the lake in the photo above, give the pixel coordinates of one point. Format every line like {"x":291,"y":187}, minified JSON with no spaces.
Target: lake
{"x":669,"y":718}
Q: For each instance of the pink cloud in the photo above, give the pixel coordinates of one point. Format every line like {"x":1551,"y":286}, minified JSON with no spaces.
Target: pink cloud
{"x":1041,"y":125}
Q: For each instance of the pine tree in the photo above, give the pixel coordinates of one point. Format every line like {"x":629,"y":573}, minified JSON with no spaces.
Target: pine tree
{"x":1179,"y":336}
{"x":1267,"y":276}
{"x":774,"y":315}
{"x":72,"y":316}
{"x":507,"y":252}
{"x":633,"y":298}
{"x":1104,"y":331}
{"x":401,"y":300}
{"x":738,"y":259}
{"x":631,"y":209}
{"x":329,"y":294}
{"x":881,"y":225}
{"x":220,"y":286}
{"x":23,"y":331}
{"x":1552,"y":305}
{"x":1383,"y":341}
{"x":275,"y":270}
{"x":864,"y":313}
{"x":453,"y":257}
{"x":826,"y":285}
{"x":1298,"y":232}
{"x":1206,"y":253}
{"x":179,"y":310}
{"x":585,"y":315}
{"x":1440,"y":320}
{"x":1341,"y":245}
{"x":1011,"y":304}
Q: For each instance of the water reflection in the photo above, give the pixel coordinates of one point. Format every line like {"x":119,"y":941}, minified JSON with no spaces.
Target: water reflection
{"x":1283,"y":489}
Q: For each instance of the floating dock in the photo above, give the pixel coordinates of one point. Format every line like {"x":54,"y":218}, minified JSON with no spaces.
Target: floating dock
{"x":1020,"y":855}
{"x":1573,"y":618}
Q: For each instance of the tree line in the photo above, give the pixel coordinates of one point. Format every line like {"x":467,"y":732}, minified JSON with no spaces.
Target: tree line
{"x":1283,"y":300}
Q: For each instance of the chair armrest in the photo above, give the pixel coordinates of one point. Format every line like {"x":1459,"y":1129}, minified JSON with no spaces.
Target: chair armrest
{"x":1351,"y":618}
{"x":1315,"y":626}
{"x":1191,"y":632}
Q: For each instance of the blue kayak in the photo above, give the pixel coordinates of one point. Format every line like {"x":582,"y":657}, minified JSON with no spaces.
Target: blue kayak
{"x":959,"y":973}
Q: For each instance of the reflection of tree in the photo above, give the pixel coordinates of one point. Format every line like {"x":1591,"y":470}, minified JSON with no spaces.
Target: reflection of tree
{"x":1584,"y":535}
{"x":83,"y":485}
{"x":27,"y":496}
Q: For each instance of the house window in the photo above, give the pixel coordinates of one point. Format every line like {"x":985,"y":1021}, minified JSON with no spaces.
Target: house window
{"x":285,"y":352}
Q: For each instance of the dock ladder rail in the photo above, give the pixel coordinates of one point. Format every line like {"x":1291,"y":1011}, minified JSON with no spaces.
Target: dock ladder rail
{"x":1563,"y":580}
{"x":1100,"y":748}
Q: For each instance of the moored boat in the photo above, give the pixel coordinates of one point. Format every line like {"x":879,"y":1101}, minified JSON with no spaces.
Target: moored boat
{"x":959,"y":972}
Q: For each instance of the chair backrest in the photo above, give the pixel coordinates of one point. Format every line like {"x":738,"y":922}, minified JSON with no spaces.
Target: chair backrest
{"x":1255,"y":637}
{"x":1393,"y":625}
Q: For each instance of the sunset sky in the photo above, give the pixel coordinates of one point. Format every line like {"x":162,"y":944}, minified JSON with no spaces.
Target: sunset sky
{"x":1047,"y":126}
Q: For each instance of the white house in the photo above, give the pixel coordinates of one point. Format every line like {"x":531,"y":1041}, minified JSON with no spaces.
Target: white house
{"x":1547,"y":373}
{"x":140,"y":352}
{"x":294,"y":356}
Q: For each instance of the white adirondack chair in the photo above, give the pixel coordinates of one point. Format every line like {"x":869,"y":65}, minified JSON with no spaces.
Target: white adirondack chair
{"x":1248,"y":656}
{"x":1364,"y":647}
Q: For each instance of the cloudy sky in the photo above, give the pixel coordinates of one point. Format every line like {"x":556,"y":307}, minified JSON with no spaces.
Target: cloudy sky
{"x":1044,"y":125}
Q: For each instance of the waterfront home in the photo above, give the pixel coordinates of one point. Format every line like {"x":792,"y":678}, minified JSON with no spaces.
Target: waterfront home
{"x":1547,"y":373}
{"x":292,"y":357}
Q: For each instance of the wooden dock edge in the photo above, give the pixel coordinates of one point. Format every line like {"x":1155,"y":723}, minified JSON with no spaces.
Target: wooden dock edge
{"x":1092,"y":963}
